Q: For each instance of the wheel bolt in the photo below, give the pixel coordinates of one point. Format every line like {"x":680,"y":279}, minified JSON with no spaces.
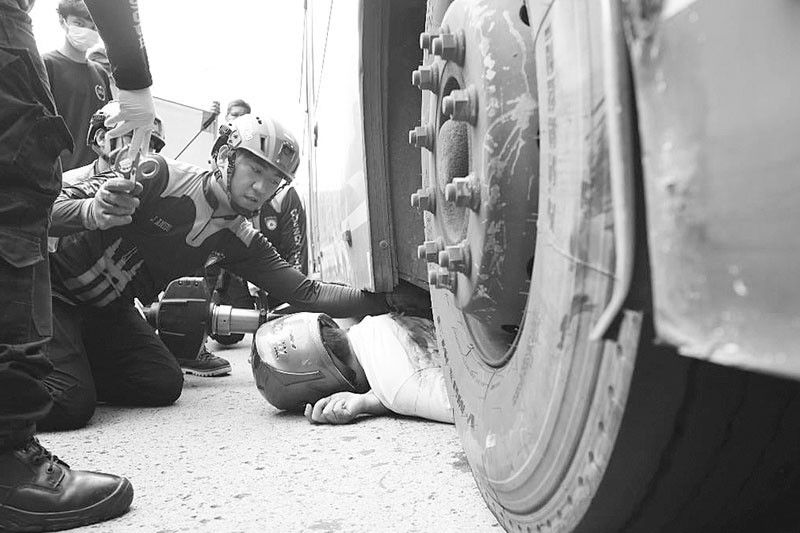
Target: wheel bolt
{"x":449,"y":46}
{"x":421,"y":137}
{"x":445,"y":279}
{"x":424,"y":199}
{"x":458,"y":258}
{"x":464,"y":192}
{"x":433,"y":277}
{"x":461,"y":104}
{"x":429,"y":250}
{"x":425,"y":39}
{"x":426,"y":78}
{"x":444,"y":259}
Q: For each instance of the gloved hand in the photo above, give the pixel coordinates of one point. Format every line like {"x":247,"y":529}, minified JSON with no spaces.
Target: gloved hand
{"x":113,"y":204}
{"x":137,"y":113}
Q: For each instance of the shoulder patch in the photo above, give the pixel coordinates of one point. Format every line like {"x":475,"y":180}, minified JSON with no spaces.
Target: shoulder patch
{"x":271,"y":223}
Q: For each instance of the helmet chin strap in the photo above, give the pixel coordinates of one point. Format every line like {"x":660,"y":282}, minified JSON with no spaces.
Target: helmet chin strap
{"x":225,"y":184}
{"x":224,"y":174}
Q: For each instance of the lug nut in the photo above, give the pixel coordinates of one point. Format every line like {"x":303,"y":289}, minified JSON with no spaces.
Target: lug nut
{"x":426,"y":78}
{"x":461,"y":104}
{"x":424,"y":199}
{"x":425,"y":39}
{"x":464,"y":192}
{"x":421,"y":137}
{"x":458,"y":258}
{"x":444,"y":259}
{"x":429,"y":250}
{"x":445,"y":279}
{"x":433,"y":277}
{"x":449,"y":46}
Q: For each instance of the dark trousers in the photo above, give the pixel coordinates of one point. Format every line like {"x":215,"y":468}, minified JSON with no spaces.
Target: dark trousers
{"x":108,"y":354}
{"x":31,"y":138}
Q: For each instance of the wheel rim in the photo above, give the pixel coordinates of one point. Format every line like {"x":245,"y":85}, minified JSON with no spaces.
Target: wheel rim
{"x":482,"y":168}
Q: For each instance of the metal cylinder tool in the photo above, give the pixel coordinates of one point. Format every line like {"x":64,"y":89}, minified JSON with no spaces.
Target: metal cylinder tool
{"x":185,"y":315}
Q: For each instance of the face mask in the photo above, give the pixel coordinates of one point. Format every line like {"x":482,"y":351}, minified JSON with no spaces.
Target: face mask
{"x":82,"y":38}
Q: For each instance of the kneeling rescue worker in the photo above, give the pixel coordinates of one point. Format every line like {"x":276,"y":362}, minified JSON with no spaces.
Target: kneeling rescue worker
{"x":102,"y":348}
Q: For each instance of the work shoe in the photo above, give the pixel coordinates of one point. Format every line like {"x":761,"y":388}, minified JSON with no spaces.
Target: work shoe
{"x":39,"y":492}
{"x":206,"y":365}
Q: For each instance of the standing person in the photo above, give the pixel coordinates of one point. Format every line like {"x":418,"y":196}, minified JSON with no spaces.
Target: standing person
{"x":102,"y":347}
{"x":98,"y":54}
{"x":80,"y":87}
{"x":236,"y":108}
{"x":38,"y":491}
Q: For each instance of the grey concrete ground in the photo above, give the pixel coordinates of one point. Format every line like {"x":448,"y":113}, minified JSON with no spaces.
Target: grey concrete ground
{"x":223,"y":460}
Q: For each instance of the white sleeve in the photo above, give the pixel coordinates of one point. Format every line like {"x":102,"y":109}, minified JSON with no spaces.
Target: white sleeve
{"x":403,"y":367}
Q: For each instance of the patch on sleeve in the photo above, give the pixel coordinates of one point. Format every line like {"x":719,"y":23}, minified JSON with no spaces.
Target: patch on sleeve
{"x":271,"y":223}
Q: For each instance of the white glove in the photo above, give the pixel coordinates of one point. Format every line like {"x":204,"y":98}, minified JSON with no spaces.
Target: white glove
{"x":113,"y":204}
{"x":136,"y":113}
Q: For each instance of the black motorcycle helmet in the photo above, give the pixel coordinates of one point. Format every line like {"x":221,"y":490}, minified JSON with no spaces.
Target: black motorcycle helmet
{"x":298,"y":359}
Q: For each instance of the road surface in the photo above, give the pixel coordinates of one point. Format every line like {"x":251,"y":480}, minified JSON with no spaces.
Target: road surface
{"x":223,"y":460}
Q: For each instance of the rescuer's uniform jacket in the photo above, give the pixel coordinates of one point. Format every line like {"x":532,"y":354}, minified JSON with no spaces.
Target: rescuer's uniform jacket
{"x":173,"y":232}
{"x":283,"y":223}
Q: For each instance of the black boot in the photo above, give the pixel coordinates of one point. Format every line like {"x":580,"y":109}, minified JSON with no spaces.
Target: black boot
{"x":39,"y":492}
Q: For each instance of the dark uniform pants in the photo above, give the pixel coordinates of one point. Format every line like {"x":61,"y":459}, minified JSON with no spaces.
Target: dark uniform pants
{"x":31,"y":138}
{"x":110,"y":354}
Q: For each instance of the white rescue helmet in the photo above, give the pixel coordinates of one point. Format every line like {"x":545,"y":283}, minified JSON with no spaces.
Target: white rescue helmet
{"x":301,"y":358}
{"x":97,"y":139}
{"x":263,"y":137}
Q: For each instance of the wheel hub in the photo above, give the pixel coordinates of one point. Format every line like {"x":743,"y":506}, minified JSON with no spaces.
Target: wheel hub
{"x":482,"y":167}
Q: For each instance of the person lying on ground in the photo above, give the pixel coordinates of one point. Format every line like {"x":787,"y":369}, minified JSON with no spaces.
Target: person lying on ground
{"x":384,"y":364}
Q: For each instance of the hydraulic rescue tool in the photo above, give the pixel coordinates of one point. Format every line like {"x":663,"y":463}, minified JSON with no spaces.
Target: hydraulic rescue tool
{"x":187,"y":313}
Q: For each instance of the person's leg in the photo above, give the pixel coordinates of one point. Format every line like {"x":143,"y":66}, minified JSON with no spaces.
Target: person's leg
{"x":70,"y":383}
{"x":23,"y":398}
{"x":344,"y":407}
{"x":38,"y":491}
{"x":25,"y":199}
{"x":130,"y":363}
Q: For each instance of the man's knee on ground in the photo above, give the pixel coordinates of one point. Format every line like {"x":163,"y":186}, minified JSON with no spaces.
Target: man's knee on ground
{"x":171,"y":386}
{"x":162,"y":389}
{"x":72,"y":409}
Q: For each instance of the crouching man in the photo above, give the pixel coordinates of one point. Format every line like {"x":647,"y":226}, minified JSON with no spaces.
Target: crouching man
{"x":115,"y":247}
{"x":384,"y":364}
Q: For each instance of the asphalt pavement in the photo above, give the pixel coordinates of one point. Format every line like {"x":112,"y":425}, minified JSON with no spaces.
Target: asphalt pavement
{"x":223,"y":460}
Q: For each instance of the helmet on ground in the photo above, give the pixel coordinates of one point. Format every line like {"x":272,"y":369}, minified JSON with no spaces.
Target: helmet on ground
{"x":263,"y":137}
{"x":301,"y":358}
{"x":97,"y":140}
